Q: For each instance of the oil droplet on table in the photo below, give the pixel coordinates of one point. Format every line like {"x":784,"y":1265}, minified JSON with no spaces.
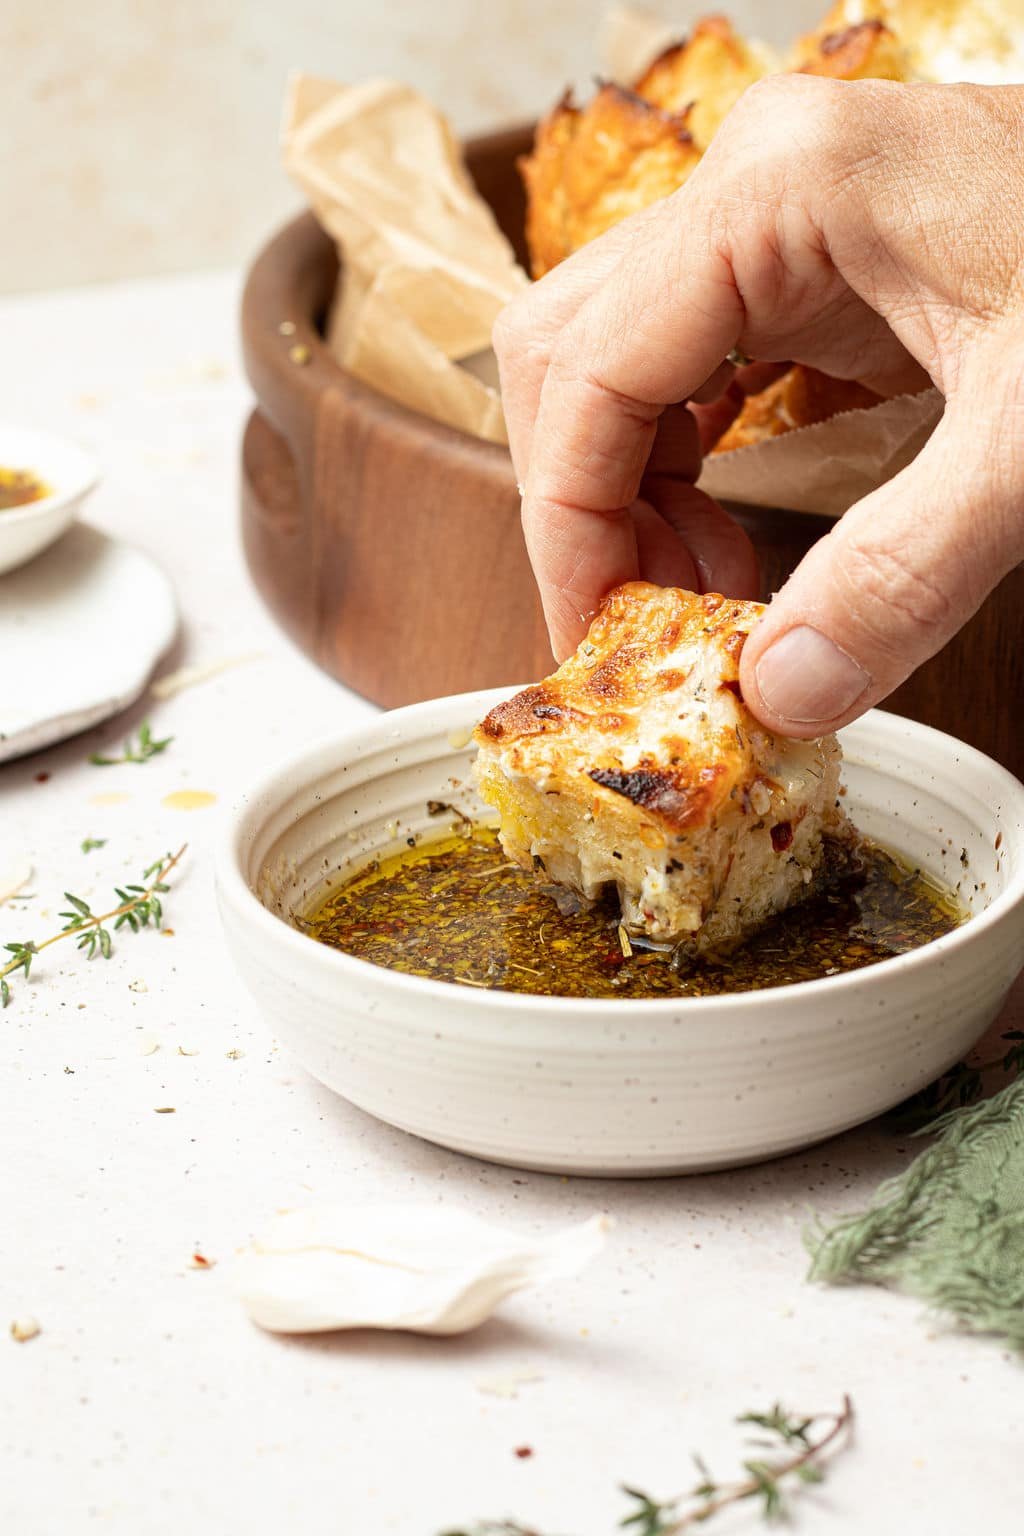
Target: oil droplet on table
{"x":189,"y":799}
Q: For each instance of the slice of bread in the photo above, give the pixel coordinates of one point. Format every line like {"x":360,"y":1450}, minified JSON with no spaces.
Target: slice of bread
{"x":637,"y":765}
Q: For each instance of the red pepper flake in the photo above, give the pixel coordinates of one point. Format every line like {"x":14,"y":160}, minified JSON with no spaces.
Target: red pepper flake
{"x":200,"y":1261}
{"x":782,"y":836}
{"x":524,"y":1452}
{"x":41,"y":778}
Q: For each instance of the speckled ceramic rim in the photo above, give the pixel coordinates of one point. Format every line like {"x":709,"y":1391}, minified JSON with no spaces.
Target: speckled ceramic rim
{"x":866,"y":740}
{"x":58,"y":461}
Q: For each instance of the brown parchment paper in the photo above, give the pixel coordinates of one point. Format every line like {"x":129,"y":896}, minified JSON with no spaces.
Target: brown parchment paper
{"x":426,"y":268}
{"x":426,"y":272}
{"x":827,"y":467}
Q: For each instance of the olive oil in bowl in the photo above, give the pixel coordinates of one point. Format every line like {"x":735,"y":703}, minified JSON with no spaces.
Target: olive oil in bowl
{"x":20,"y":487}
{"x":455,"y":910}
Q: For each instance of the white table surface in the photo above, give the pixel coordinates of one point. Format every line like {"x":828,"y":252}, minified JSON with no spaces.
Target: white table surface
{"x":149,"y":1403}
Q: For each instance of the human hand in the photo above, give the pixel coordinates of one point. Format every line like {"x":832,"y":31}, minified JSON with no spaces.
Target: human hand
{"x":872,"y":230}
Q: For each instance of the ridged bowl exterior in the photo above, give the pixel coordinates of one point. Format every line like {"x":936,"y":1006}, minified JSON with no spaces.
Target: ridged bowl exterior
{"x":618,"y":1087}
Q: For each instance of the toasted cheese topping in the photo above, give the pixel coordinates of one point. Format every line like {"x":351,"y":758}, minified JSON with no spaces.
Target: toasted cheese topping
{"x":593,"y":166}
{"x":638,"y":764}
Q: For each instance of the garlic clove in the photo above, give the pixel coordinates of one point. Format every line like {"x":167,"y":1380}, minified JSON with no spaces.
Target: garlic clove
{"x":426,"y":1269}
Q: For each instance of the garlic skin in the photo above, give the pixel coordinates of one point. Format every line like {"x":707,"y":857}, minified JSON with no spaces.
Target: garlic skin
{"x":424,"y":1269}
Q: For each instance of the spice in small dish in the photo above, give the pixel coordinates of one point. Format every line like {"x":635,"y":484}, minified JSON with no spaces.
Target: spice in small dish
{"x":456,"y":910}
{"x":19,"y":487}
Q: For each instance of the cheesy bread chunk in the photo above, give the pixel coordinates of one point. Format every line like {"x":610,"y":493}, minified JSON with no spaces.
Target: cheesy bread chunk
{"x":637,"y":765}
{"x":866,"y":51}
{"x":801,"y":398}
{"x":593,"y":166}
{"x":940,"y":40}
{"x":704,"y":76}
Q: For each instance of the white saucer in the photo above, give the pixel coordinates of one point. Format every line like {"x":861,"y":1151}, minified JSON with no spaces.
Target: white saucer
{"x":81,"y":629}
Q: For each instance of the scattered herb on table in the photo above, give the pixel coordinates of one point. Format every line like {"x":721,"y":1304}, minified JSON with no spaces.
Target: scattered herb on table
{"x":139,"y":751}
{"x":138,"y":906}
{"x":796,"y":1451}
{"x":495,"y":1528}
{"x":89,"y":843}
{"x":963,"y":1084}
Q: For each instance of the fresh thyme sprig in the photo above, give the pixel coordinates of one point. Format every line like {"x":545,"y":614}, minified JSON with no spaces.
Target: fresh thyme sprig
{"x":770,"y":1481}
{"x":134,"y":751}
{"x":963,"y":1084}
{"x":138,"y":906}
{"x":494,"y":1528}
{"x":763,"y":1480}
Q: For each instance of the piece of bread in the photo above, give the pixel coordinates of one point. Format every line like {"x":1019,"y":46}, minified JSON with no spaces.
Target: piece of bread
{"x":867,"y":51}
{"x":637,"y":765}
{"x":595,"y":165}
{"x":703,"y":76}
{"x":800,"y":398}
{"x":939,"y":40}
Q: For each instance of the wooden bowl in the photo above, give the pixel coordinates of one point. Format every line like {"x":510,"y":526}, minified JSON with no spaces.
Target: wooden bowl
{"x":389,"y":546}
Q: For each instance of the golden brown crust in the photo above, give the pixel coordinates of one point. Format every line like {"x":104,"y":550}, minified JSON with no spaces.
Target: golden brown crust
{"x":800,"y":398}
{"x":867,"y":51}
{"x":543,"y":173}
{"x":528,"y":713}
{"x":840,"y":18}
{"x":702,"y":76}
{"x":622,"y":669}
{"x":593,"y":166}
{"x":674,"y":796}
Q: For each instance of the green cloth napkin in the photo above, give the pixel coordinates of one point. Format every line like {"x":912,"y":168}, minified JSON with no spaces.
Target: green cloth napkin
{"x":951,"y":1228}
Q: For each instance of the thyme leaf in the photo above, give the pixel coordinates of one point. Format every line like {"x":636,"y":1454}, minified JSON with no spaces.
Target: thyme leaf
{"x":138,"y":906}
{"x":139,"y":751}
{"x":493,"y":1528}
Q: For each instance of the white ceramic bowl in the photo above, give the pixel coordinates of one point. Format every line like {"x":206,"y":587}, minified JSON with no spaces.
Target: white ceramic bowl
{"x":610,"y":1087}
{"x":68,"y":470}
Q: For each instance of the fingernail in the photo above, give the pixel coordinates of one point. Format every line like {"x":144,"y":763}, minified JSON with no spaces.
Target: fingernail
{"x":805,"y":677}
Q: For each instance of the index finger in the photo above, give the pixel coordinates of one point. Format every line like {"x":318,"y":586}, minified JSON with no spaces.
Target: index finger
{"x":527,"y":330}
{"x":648,"y":337}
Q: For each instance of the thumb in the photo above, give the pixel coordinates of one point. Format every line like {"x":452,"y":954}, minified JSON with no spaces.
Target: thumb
{"x":895,"y":579}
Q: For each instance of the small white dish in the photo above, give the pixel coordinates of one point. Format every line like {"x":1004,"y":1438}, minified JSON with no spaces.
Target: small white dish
{"x":67,"y":470}
{"x":81,"y":630}
{"x":610,"y":1087}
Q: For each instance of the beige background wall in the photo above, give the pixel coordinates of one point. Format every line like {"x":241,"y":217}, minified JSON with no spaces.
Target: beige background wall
{"x":139,"y":136}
